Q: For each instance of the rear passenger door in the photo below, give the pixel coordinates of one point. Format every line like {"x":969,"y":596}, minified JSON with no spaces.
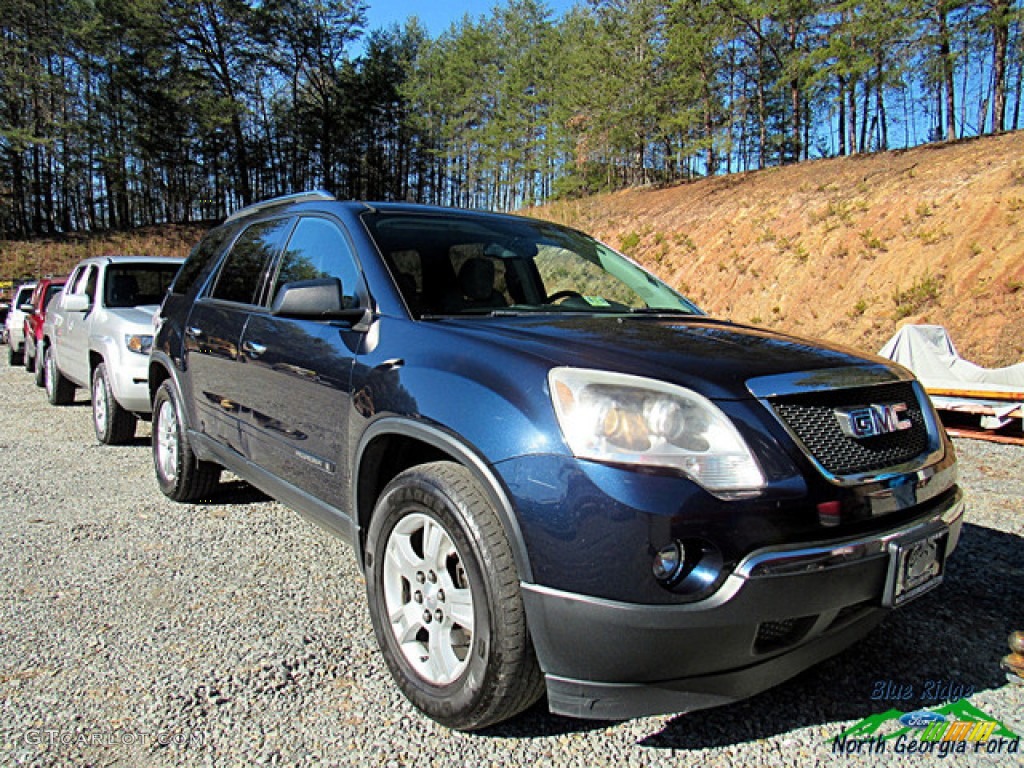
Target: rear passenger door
{"x":298,"y":372}
{"x":213,"y":332}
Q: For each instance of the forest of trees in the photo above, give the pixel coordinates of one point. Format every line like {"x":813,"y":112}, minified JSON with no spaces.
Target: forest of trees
{"x":120,"y":113}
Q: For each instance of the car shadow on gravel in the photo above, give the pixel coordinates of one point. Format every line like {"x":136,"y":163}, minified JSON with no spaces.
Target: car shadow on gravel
{"x":143,"y":441}
{"x":945,"y":646}
{"x":235,"y":492}
{"x":538,"y":722}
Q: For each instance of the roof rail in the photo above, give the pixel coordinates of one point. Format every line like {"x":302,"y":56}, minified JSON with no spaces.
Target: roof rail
{"x":298,"y":197}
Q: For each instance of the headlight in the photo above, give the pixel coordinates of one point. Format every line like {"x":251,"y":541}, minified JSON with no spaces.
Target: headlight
{"x":139,"y":343}
{"x":621,"y":419}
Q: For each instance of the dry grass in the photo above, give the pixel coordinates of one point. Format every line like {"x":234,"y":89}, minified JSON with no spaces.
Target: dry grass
{"x":57,"y":256}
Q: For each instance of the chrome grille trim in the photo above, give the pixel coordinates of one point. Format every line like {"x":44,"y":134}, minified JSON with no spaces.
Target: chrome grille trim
{"x":859,"y":383}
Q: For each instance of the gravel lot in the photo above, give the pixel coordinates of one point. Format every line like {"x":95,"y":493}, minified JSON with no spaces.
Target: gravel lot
{"x":139,"y":632}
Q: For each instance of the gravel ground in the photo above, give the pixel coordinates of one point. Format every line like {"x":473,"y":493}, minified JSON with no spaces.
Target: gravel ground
{"x":139,"y":632}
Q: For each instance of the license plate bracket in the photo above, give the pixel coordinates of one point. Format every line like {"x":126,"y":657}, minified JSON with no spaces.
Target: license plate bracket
{"x":916,"y":566}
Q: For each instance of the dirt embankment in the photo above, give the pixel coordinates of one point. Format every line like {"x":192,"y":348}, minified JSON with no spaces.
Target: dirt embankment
{"x":846,"y":249}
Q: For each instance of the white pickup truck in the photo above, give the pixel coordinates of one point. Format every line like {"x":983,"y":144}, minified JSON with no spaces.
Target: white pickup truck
{"x":98,"y":335}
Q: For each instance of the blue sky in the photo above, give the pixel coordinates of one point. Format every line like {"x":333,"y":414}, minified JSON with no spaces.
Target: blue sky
{"x":438,"y":15}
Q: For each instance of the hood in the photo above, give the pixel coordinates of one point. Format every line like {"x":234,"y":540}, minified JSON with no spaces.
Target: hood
{"x":141,"y":316}
{"x":712,"y":357}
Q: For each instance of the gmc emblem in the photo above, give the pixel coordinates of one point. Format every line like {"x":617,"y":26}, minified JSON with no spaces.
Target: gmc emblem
{"x":872,"y":420}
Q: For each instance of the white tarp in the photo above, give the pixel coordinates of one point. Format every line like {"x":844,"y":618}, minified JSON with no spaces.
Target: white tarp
{"x":928,"y":351}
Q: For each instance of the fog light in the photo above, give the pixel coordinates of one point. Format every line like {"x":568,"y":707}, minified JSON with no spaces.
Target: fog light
{"x":668,"y":562}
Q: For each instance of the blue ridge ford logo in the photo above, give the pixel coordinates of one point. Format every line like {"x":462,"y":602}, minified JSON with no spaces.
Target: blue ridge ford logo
{"x":921,"y":719}
{"x":873,"y":420}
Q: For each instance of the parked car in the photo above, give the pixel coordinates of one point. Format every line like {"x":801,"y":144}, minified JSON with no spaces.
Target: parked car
{"x":98,"y":335}
{"x":15,"y":324}
{"x":35,"y":317}
{"x":557,"y":473}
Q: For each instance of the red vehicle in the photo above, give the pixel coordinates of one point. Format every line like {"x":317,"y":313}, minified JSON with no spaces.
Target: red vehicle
{"x":35,"y":316}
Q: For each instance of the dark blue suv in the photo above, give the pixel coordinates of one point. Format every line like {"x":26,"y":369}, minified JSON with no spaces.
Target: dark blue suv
{"x":558,"y":475}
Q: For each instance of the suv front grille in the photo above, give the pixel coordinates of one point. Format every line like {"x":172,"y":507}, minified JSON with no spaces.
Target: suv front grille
{"x":812,"y":418}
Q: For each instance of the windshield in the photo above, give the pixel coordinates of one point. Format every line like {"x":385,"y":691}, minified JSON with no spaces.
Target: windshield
{"x":452,"y":264}
{"x":136,"y":285}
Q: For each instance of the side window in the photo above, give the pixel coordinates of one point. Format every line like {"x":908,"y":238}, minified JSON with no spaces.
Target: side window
{"x":51,"y":290}
{"x":318,"y":249}
{"x":90,"y":283}
{"x":24,"y":297}
{"x":241,"y":278}
{"x":205,"y":252}
{"x":76,"y":282}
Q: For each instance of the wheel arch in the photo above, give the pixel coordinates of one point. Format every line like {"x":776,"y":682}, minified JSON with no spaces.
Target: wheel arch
{"x":161,"y":369}
{"x":392,"y":445}
{"x":95,"y":358}
{"x":158,"y":374}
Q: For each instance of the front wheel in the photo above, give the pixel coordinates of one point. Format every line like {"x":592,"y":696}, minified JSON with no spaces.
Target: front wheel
{"x":181,"y":475}
{"x":113,"y":424}
{"x":445,"y":601}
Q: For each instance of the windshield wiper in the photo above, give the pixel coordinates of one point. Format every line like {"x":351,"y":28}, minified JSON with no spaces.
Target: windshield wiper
{"x":477,"y":313}
{"x":662,"y":311}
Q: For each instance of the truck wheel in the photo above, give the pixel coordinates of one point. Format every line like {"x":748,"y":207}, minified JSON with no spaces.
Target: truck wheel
{"x":445,"y":600}
{"x":14,"y":357}
{"x":181,"y":475}
{"x":59,"y":391}
{"x":113,"y":424}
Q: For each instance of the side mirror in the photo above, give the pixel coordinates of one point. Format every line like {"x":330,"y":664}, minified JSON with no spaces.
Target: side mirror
{"x":28,"y":309}
{"x":309,"y":298}
{"x":320,"y":299}
{"x":76,"y":302}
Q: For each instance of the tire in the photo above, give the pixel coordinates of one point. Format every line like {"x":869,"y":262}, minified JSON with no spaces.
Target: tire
{"x":59,"y":390}
{"x":38,"y":369}
{"x":29,"y":360}
{"x":14,"y":357}
{"x":113,"y":424}
{"x":445,"y":602}
{"x":181,"y":475}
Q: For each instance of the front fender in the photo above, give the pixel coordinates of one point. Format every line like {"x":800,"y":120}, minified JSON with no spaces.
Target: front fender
{"x":451,"y":445}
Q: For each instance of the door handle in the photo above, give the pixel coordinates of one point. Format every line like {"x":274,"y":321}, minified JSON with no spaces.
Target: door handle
{"x":254,"y":348}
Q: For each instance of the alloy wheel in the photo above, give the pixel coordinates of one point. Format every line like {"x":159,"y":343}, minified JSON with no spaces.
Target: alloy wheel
{"x":428,"y":598}
{"x":166,"y":445}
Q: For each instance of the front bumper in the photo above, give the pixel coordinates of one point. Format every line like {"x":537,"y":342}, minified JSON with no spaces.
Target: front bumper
{"x":779,"y":612}
{"x":132,"y":392}
{"x":129,"y":381}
